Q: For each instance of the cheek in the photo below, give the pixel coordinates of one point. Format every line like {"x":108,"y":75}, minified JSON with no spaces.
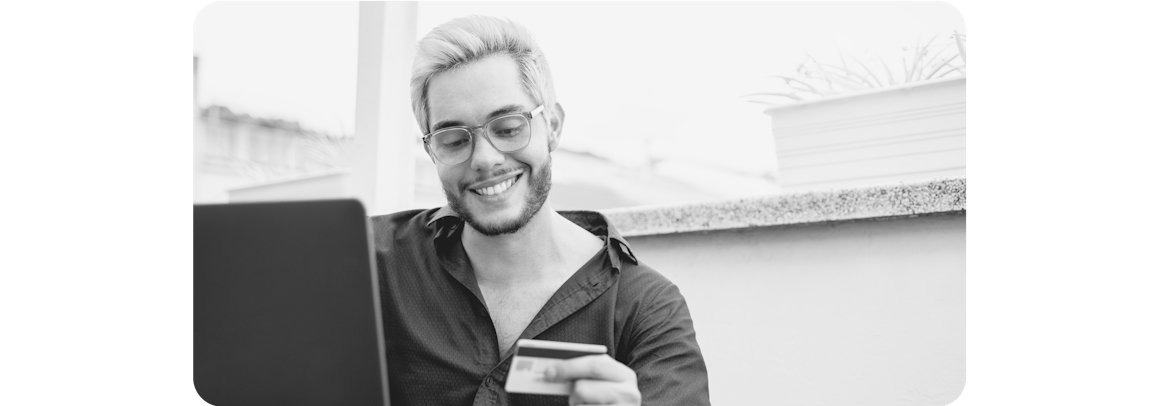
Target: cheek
{"x":449,"y":177}
{"x":537,"y":151}
{"x":539,"y":145}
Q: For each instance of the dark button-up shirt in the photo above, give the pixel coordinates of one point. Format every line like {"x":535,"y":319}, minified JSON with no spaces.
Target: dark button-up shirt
{"x":441,"y":343}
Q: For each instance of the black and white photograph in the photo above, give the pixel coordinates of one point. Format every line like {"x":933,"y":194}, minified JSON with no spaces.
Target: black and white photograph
{"x":735,"y":200}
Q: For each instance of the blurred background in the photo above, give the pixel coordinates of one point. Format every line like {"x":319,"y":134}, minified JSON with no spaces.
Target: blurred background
{"x":667,"y":102}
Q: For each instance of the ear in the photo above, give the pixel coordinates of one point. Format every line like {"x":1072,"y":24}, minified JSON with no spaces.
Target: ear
{"x":555,"y":123}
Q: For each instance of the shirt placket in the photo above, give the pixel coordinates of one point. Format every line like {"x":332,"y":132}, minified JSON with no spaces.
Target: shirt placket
{"x":490,"y":391}
{"x":454,"y":261}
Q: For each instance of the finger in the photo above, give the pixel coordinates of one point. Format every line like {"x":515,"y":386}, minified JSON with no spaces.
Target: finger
{"x":600,"y":367}
{"x":587,"y":391}
{"x":592,"y":392}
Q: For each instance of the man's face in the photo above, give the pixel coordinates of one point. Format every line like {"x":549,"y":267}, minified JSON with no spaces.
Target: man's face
{"x":478,"y":189}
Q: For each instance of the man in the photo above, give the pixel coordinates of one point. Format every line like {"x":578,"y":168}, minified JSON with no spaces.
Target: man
{"x":462,"y":283}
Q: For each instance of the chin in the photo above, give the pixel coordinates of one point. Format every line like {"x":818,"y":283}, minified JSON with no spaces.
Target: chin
{"x":498,"y":226}
{"x":512,"y":219}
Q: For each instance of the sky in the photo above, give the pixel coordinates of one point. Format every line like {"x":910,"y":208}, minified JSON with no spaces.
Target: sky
{"x":639,"y":80}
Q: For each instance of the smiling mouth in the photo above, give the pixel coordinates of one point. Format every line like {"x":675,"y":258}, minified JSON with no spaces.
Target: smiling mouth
{"x":498,"y":188}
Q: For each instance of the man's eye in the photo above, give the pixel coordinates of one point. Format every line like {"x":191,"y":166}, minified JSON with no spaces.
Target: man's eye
{"x":508,"y":127}
{"x":508,"y":131}
{"x":453,"y":140}
{"x":455,"y":143}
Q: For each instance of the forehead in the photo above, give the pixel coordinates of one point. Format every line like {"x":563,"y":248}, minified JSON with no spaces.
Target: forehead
{"x":472,"y":91}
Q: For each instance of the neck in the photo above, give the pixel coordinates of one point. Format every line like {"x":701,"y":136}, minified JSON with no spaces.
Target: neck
{"x":526,"y":256}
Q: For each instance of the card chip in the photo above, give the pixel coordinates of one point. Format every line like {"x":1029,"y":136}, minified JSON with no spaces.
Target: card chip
{"x":524,"y":365}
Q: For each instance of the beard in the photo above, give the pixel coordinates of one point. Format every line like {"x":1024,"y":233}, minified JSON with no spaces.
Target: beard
{"x":538,"y":186}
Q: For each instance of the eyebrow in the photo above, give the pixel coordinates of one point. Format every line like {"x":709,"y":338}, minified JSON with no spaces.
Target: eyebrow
{"x":502,"y":111}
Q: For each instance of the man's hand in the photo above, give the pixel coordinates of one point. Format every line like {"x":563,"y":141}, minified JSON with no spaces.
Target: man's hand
{"x":599,"y":380}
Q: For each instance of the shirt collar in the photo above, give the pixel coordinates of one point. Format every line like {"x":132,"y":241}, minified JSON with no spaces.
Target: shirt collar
{"x":445,"y":211}
{"x":445,"y":221}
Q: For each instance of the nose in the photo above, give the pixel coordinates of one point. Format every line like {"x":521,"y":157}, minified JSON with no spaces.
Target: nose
{"x":485,"y":156}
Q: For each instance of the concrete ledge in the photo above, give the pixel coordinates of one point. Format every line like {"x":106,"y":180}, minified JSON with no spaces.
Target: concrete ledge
{"x":906,"y":199}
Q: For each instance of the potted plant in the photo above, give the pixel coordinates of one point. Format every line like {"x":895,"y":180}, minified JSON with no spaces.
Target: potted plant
{"x":862,"y":123}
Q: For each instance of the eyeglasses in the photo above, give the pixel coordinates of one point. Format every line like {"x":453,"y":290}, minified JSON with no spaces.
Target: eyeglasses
{"x":508,"y":133}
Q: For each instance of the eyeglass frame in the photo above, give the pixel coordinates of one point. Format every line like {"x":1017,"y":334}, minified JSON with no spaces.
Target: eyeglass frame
{"x":529,"y":115}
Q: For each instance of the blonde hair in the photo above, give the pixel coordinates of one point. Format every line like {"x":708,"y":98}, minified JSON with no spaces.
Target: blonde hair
{"x":467,"y":39}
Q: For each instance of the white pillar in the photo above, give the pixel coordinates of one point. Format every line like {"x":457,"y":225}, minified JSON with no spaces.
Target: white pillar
{"x":384,"y":127}
{"x":198,"y":143}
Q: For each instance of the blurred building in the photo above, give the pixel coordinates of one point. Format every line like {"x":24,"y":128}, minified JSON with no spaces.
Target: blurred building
{"x":238,"y":157}
{"x":234,"y":150}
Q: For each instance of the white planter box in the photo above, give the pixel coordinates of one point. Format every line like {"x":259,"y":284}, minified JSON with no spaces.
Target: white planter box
{"x":905,"y":133}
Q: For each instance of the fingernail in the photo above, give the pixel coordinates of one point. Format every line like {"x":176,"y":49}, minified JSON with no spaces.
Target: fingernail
{"x":550,"y":373}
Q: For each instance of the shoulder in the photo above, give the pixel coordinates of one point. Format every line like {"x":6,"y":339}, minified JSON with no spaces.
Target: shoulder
{"x":644,"y":287}
{"x":654,"y":322}
{"x":403,"y":225}
{"x":403,"y":220}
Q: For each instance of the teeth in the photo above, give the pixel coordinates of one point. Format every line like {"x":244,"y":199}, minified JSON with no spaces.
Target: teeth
{"x":496,"y":189}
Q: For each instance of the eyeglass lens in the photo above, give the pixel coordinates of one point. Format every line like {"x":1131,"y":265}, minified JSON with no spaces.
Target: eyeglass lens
{"x":507,"y":134}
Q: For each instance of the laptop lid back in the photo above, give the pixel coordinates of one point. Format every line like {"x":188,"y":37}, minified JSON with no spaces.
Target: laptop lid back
{"x":286,"y":307}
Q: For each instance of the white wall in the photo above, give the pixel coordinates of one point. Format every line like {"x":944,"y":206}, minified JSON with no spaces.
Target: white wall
{"x":854,"y":313}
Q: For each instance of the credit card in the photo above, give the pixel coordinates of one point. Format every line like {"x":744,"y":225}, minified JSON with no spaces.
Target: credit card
{"x":532,"y":357}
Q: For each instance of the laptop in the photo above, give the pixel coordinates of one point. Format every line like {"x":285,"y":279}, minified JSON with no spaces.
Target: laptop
{"x":286,"y":306}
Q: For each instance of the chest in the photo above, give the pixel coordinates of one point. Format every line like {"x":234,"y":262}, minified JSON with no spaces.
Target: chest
{"x":512,"y":309}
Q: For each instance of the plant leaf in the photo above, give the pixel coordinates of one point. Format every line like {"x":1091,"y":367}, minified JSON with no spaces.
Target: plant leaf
{"x":961,"y":45}
{"x":849,"y":73}
{"x":875,"y":78}
{"x":947,"y":62}
{"x":789,"y":79}
{"x":889,"y":74}
{"x":843,"y":81}
{"x":956,"y":68}
{"x":930,"y":62}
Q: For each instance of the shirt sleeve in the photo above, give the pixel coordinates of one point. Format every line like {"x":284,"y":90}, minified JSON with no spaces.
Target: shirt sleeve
{"x":669,"y":367}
